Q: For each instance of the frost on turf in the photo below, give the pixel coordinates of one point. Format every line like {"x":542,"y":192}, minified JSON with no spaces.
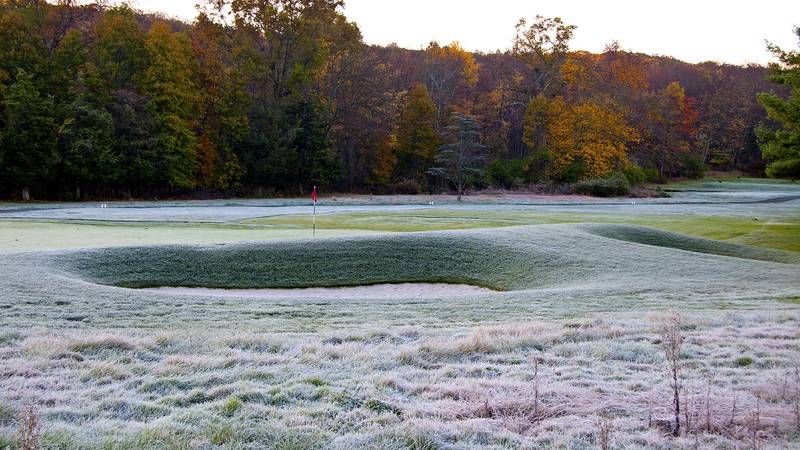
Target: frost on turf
{"x":565,"y":355}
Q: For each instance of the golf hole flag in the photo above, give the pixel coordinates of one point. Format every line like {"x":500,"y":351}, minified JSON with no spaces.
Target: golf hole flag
{"x":314,"y":214}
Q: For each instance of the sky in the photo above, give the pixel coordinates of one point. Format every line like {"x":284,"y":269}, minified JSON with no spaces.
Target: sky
{"x":730,"y":31}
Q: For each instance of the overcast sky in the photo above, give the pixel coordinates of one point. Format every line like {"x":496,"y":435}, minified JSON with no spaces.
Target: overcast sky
{"x":730,"y":31}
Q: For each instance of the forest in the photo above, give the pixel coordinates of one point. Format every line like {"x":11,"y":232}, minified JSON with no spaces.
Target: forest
{"x":272,"y":97}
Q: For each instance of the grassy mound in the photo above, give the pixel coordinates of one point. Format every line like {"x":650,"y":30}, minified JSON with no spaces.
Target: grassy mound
{"x":510,"y":259}
{"x":480,"y":259}
{"x":650,"y":236}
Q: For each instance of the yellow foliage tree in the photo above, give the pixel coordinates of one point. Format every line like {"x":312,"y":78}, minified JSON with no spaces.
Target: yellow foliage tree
{"x":450,"y":71}
{"x":587,"y":133}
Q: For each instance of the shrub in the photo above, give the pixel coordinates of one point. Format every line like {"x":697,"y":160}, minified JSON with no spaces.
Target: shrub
{"x":537,"y":166}
{"x":694,"y":167}
{"x":614,"y":186}
{"x":574,"y":171}
{"x":651,"y":175}
{"x":408,"y":187}
{"x":634,"y":174}
{"x":506,"y":173}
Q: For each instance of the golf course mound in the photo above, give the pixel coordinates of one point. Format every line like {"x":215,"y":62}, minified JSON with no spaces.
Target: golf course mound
{"x":509,"y":259}
{"x":488,"y":260}
{"x":658,"y":238}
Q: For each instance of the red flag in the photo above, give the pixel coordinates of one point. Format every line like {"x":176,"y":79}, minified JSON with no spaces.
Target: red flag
{"x":314,"y":195}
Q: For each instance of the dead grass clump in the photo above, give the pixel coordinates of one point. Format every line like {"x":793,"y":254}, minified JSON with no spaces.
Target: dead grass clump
{"x":100,"y":344}
{"x":28,"y":430}
{"x":255,"y":344}
{"x":494,"y":339}
{"x":604,"y":429}
{"x":796,"y":399}
{"x":105,"y":371}
{"x":670,"y":329}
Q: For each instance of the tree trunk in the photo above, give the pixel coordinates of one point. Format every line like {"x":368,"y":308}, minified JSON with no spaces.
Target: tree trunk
{"x":26,"y":194}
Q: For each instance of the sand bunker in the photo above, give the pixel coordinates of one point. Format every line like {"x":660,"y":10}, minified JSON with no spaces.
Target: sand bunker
{"x":377,"y":291}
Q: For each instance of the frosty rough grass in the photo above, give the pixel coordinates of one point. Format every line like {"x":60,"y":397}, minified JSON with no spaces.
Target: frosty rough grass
{"x":567,"y":354}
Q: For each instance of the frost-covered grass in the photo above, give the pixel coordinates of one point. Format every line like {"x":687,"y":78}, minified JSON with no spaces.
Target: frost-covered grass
{"x":755,"y":229}
{"x":111,"y":367}
{"x":23,"y":236}
{"x":760,"y":213}
{"x":404,"y":387}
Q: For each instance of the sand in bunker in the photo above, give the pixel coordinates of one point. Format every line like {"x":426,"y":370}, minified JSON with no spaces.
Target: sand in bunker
{"x":377,"y":291}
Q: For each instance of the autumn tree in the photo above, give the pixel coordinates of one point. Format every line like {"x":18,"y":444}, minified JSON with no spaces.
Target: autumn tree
{"x":462,"y":158}
{"x":542,"y":46}
{"x":222,"y":120}
{"x":781,"y":146}
{"x":119,"y":50}
{"x":450,"y":71}
{"x":538,"y":120}
{"x":417,"y":138}
{"x":287,"y":42}
{"x":68,"y":59}
{"x":725,"y":125}
{"x":670,"y":129}
{"x":587,"y":140}
{"x":19,"y":46}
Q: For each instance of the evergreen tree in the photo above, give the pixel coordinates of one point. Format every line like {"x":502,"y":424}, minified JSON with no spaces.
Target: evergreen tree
{"x":136,"y":142}
{"x":88,"y":158}
{"x":781,"y":147}
{"x":461,"y":160}
{"x":28,"y":139}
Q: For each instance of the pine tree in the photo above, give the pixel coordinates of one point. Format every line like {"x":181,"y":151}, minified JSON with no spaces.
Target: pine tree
{"x":461,"y":160}
{"x":781,"y":147}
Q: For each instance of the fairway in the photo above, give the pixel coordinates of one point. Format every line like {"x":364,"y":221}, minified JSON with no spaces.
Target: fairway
{"x":278,"y":358}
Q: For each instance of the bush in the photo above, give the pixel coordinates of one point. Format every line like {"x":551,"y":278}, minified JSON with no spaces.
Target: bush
{"x":693,"y":167}
{"x":537,"y":166}
{"x":506,"y":173}
{"x":574,"y":171}
{"x":615,"y":186}
{"x":408,"y":187}
{"x":651,"y":175}
{"x":635,"y":174}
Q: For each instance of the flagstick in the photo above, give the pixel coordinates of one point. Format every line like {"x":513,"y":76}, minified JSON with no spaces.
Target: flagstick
{"x":315,"y":219}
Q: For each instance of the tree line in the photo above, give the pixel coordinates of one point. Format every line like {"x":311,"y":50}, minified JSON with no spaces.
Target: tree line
{"x":260,"y":97}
